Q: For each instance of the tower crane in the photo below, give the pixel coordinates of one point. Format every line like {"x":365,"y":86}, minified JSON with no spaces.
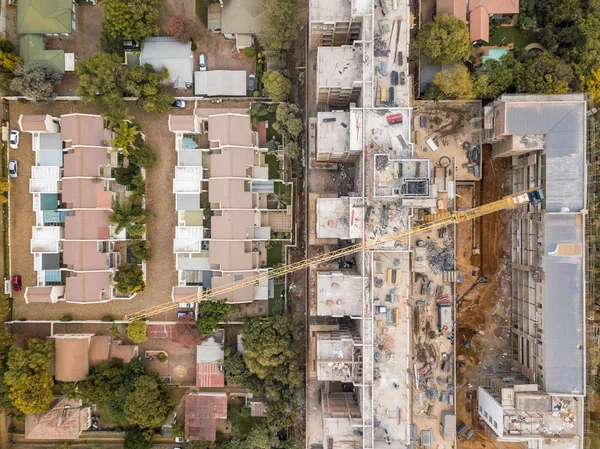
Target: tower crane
{"x":532,"y":196}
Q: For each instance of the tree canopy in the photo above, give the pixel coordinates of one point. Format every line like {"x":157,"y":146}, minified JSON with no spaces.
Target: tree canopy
{"x":210,"y":313}
{"x":492,"y":80}
{"x":281,"y":21}
{"x":131,"y":19}
{"x":137,"y":331}
{"x":36,"y":81}
{"x":455,"y":82}
{"x":149,"y":405}
{"x":136,"y":438}
{"x":277,"y":85}
{"x":129,"y":279}
{"x":445,"y":40}
{"x":543,"y":74}
{"x":28,"y":378}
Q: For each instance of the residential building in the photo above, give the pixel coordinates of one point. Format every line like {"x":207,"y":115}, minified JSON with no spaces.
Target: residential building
{"x":236,"y":19}
{"x":334,"y":23}
{"x":64,"y":420}
{"x":202,"y":410}
{"x":75,"y":248}
{"x":39,"y":18}
{"x":479,"y":14}
{"x":210,"y":357}
{"x":75,"y":353}
{"x":545,"y":138}
{"x":339,"y":75}
{"x":220,"y":83}
{"x":175,"y":56}
{"x":519,"y":411}
{"x":225,"y":184}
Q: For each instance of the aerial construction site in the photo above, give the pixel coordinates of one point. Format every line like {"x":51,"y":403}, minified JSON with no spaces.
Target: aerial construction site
{"x":448,"y":336}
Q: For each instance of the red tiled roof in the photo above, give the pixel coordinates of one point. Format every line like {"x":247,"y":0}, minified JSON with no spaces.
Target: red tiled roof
{"x":209,"y":375}
{"x":201,"y":412}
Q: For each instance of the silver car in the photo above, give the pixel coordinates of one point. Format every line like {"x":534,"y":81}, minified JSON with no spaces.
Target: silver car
{"x":13,"y":169}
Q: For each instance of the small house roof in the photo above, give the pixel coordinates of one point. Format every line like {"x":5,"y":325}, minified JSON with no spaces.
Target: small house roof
{"x":64,"y":420}
{"x":32,"y":49}
{"x":242,"y":16}
{"x":72,"y":357}
{"x":44,"y":16}
{"x":201,"y":412}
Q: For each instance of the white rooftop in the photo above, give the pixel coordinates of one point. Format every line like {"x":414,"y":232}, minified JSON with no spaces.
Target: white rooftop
{"x":188,"y":239}
{"x":44,"y":179}
{"x":187,"y":179}
{"x":46,"y":239}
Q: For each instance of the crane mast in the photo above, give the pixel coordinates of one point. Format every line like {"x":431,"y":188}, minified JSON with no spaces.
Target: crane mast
{"x":531,"y":196}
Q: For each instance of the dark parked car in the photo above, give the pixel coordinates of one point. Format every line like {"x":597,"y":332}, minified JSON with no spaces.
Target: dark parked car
{"x":16,"y":283}
{"x":178,"y":104}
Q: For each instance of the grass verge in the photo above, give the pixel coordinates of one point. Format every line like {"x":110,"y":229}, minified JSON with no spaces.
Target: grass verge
{"x":510,"y":35}
{"x":202,"y":11}
{"x":274,"y":166}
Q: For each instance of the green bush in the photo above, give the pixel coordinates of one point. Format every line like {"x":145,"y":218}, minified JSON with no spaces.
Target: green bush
{"x":194,"y":46}
{"x":161,"y":357}
{"x":136,"y":331}
{"x":250,"y":52}
{"x":67,"y":318}
{"x":107,"y":319}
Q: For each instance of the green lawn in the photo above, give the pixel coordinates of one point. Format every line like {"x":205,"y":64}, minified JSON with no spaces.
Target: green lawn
{"x":277,"y":304}
{"x":511,"y":35}
{"x":274,"y":166}
{"x":285,"y":190}
{"x":271,"y":133}
{"x":202,"y":10}
{"x":274,"y":253}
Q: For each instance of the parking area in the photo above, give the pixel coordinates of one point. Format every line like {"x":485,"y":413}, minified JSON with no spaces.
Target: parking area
{"x":161,"y":275}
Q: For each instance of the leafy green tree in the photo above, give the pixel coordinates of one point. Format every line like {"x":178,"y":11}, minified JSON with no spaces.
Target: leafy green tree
{"x":140,"y":250}
{"x":101,"y":79}
{"x":524,"y":23}
{"x":277,"y":85}
{"x":282,"y":414}
{"x":149,"y":405}
{"x":125,"y":136}
{"x":236,"y":371}
{"x":210,"y":314}
{"x":543,"y":74}
{"x":445,"y":40}
{"x":131,"y":19}
{"x":137,"y":331}
{"x":130,"y":279}
{"x":145,"y":82}
{"x":142,"y":154}
{"x":201,"y":444}
{"x":257,"y":438}
{"x":136,"y":438}
{"x":125,"y":175}
{"x":111,"y":382}
{"x":455,"y":82}
{"x":129,"y":216}
{"x":557,"y":12}
{"x":115,"y":116}
{"x":30,"y":384}
{"x":433,"y":92}
{"x":36,"y":81}
{"x":269,"y":350}
{"x":33,"y":394}
{"x":592,"y":85}
{"x":280,"y":29}
{"x":288,"y":119}
{"x":493,"y":79}
{"x":584,"y":49}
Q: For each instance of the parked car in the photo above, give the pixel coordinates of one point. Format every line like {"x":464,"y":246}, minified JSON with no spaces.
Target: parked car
{"x":186,"y":305}
{"x":252,"y":82}
{"x":179,"y":439}
{"x":16,"y":283}
{"x":178,"y":104}
{"x":202,"y":62}
{"x":185,"y":315}
{"x":13,"y":169}
{"x":129,"y":45}
{"x":14,"y":139}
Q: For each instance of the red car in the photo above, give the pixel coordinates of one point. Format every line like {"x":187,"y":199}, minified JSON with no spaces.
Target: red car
{"x":16,"y":283}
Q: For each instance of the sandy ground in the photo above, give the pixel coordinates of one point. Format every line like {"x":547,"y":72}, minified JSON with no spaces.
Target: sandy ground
{"x":221,"y":53}
{"x":161,"y":275}
{"x":483,"y":317}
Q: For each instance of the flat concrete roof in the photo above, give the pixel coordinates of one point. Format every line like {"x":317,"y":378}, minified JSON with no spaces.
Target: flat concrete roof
{"x":330,"y":10}
{"x":339,"y":66}
{"x":340,"y":218}
{"x":333,"y":135}
{"x":334,"y":359}
{"x":339,"y":294}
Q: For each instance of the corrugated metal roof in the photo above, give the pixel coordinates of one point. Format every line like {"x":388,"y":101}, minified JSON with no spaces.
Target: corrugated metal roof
{"x":188,"y":201}
{"x":563,"y":123}
{"x":220,"y":83}
{"x":201,"y":412}
{"x":563,"y":323}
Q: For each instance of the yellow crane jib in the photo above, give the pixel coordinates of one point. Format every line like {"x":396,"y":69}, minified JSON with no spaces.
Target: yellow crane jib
{"x":531,"y":196}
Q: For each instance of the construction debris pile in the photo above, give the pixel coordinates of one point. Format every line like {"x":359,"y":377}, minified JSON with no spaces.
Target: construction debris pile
{"x":380,"y":47}
{"x":440,"y":259}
